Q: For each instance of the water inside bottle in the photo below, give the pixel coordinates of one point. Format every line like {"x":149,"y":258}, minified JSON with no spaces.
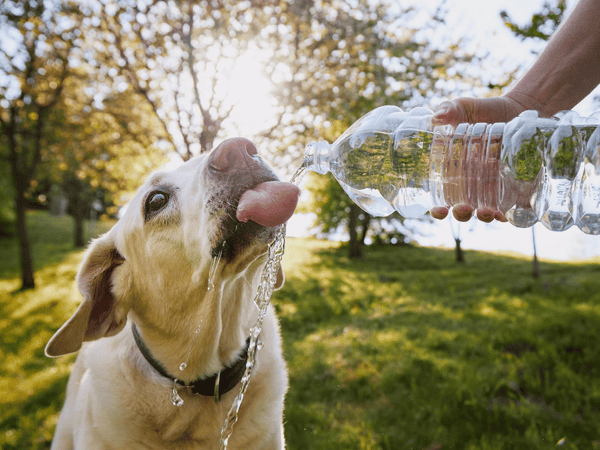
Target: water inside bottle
{"x":383,"y":172}
{"x":411,"y":170}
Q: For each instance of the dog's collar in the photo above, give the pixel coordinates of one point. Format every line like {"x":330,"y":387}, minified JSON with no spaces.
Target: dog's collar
{"x":227,"y":378}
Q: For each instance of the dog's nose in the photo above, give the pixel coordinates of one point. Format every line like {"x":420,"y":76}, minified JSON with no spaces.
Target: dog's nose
{"x":234,"y":153}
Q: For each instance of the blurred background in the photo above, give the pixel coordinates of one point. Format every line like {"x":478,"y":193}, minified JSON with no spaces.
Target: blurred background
{"x":97,"y":94}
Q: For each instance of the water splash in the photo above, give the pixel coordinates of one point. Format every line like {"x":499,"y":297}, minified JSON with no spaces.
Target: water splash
{"x":175,"y":398}
{"x":262,"y":300}
{"x":213,"y":270}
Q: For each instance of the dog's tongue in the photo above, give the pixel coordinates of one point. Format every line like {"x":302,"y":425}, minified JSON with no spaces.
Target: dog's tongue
{"x":269,"y":204}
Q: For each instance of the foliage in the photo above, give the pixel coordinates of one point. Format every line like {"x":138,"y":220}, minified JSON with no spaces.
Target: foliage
{"x":401,"y":350}
{"x":178,"y":57}
{"x":38,"y":39}
{"x":337,"y":61}
{"x":7,"y":208}
{"x":103,"y":151}
{"x":543,"y":24}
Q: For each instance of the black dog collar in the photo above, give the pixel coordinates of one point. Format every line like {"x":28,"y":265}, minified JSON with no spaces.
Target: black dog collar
{"x":227,"y":378}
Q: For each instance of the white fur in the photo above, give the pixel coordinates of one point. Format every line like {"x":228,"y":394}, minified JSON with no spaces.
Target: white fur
{"x":154,"y":273}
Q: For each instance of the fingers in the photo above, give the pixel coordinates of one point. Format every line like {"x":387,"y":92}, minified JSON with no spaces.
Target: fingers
{"x":486,"y":214}
{"x":438,"y":212}
{"x":451,"y":113}
{"x":474,"y":110}
{"x":463,"y":213}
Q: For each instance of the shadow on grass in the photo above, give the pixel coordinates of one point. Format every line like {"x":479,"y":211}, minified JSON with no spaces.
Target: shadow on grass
{"x":404,"y":349}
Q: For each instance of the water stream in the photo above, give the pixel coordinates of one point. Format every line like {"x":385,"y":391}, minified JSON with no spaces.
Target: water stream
{"x":262,"y":300}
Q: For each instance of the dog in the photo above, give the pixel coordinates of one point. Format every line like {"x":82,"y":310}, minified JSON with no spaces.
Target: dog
{"x":154,"y":332}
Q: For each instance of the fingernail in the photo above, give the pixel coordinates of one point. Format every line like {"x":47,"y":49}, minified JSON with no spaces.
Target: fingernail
{"x":438,"y":212}
{"x":443,"y":109}
{"x":438,"y":115}
{"x":501,"y":217}
{"x":462,"y":212}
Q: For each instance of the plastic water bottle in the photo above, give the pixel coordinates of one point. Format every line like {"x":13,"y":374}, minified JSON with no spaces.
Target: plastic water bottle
{"x":531,"y":169}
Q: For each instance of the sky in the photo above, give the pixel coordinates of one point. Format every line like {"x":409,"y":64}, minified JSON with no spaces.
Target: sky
{"x":479,"y":23}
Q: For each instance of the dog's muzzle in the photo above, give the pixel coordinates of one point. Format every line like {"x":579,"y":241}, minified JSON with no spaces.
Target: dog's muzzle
{"x":255,"y":198}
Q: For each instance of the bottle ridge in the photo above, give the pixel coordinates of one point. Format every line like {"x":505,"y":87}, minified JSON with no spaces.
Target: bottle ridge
{"x":531,"y":169}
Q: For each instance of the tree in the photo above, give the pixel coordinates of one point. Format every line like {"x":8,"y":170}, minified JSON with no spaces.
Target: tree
{"x":178,"y":57}
{"x":43,"y":34}
{"x":542,"y":26}
{"x":334,"y":62}
{"x":104,"y":150}
{"x":460,"y":255}
{"x":7,"y":208}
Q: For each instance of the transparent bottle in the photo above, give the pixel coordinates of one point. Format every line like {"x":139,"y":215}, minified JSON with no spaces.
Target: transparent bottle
{"x":531,"y":169}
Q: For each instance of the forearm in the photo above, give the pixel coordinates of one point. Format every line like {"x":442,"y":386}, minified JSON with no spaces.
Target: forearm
{"x":569,"y":67}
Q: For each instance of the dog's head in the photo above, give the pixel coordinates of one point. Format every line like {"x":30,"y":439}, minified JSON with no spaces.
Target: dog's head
{"x":226,"y":204}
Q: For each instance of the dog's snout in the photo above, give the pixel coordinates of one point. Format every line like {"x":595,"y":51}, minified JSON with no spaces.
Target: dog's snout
{"x":232,"y":154}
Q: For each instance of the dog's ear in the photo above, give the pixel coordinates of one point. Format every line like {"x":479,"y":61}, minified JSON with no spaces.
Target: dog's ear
{"x":280,"y":278}
{"x":99,"y":314}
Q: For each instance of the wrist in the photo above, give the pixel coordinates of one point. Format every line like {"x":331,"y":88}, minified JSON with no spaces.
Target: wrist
{"x":520,"y":101}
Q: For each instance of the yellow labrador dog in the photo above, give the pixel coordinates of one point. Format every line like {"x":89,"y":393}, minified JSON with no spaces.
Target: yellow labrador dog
{"x":148,"y":307}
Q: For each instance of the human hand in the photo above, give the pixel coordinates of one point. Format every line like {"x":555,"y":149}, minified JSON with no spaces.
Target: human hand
{"x":474,"y":110}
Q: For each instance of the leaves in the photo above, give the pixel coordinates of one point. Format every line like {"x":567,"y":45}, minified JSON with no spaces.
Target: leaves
{"x":543,"y":24}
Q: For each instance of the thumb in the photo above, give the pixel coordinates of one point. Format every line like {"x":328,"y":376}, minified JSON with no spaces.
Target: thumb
{"x":452,"y":113}
{"x":474,"y":110}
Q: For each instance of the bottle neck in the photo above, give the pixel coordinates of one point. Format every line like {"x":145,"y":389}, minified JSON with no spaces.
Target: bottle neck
{"x":316,"y":157}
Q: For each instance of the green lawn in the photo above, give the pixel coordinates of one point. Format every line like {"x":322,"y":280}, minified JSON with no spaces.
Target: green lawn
{"x":401,"y":350}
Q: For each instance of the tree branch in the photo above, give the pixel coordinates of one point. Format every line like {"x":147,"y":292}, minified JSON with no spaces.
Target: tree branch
{"x":131,"y":75}
{"x":188,"y":155}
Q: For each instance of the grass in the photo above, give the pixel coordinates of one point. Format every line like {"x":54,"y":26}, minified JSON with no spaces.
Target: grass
{"x":401,"y":350}
{"x":407,"y":350}
{"x":31,"y":385}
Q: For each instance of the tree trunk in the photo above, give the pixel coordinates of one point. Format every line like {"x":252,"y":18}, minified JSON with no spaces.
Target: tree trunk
{"x":79,"y":234}
{"x":535,"y":272}
{"x":27,"y":280}
{"x":365,"y":228}
{"x":354,"y":246}
{"x":77,"y":209}
{"x":460,"y":256}
{"x":20,"y":180}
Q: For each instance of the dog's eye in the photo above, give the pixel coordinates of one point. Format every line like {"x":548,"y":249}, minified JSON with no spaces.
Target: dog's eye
{"x":156,"y":201}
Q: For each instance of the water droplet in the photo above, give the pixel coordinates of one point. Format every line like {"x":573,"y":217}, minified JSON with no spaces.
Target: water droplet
{"x":213,"y":270}
{"x":182,"y":366}
{"x":259,"y":345}
{"x":175,"y":398}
